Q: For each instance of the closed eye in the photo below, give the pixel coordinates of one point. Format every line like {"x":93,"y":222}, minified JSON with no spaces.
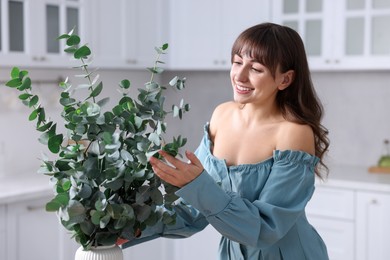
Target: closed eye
{"x":257,"y":70}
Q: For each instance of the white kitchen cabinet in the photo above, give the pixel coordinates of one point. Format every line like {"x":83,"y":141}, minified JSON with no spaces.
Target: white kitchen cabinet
{"x":332,"y":212}
{"x":202,"y":32}
{"x":338,"y":34}
{"x":125,"y":33}
{"x":3,"y":238}
{"x":29,"y":29}
{"x":203,"y":245}
{"x":33,"y":233}
{"x":372,"y":226}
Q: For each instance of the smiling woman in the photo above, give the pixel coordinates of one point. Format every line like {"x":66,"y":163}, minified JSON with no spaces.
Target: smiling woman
{"x":253,"y":172}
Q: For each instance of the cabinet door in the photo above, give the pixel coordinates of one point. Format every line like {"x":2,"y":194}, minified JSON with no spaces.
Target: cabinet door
{"x":233,"y":22}
{"x":33,"y":233}
{"x":332,"y":213}
{"x":338,"y":235}
{"x":13,"y":32}
{"x":143,"y":33}
{"x":161,"y":249}
{"x":342,"y":34}
{"x":30,"y":29}
{"x":203,"y":245}
{"x":365,"y":34}
{"x":3,"y":248}
{"x":194,"y":30}
{"x":203,"y":32}
{"x":310,"y":18}
{"x":372,"y":226}
{"x":125,"y":33}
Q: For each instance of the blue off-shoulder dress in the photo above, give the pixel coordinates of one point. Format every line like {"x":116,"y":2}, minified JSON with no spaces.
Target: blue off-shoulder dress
{"x":259,"y":209}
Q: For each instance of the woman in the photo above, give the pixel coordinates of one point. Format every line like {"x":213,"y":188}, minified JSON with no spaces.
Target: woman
{"x":254,"y":171}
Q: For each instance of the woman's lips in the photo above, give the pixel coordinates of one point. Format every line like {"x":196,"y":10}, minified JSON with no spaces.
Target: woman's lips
{"x":243,"y":90}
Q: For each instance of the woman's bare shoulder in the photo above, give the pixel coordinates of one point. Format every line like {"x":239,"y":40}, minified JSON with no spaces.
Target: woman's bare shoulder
{"x":294,"y":136}
{"x":220,"y":114}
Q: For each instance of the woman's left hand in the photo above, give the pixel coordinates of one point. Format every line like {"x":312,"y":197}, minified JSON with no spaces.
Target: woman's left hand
{"x":178,"y":173}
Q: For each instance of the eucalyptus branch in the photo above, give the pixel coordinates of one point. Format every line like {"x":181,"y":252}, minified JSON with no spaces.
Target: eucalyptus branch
{"x":106,"y":188}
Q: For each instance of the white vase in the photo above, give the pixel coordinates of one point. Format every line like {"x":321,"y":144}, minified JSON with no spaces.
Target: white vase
{"x":113,"y":252}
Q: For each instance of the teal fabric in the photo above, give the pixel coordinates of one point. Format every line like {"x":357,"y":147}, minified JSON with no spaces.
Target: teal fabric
{"x":258,"y":208}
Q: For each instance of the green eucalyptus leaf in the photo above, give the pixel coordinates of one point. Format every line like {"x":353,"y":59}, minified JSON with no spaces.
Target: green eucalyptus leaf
{"x":82,"y":52}
{"x":66,"y":185}
{"x":126,"y":156}
{"x":73,"y":40}
{"x":72,"y":49}
{"x":120,"y":223}
{"x":115,"y":184}
{"x":25,"y":96}
{"x":101,"y":204}
{"x":142,"y":212}
{"x":125,"y":84}
{"x":63,"y":36}
{"x":76,"y":211}
{"x":41,"y":114}
{"x":26,"y":84}
{"x":97,"y":90}
{"x":15,"y":72}
{"x":53,"y":206}
{"x":103,"y":102}
{"x":33,"y":101}
{"x":93,"y":109}
{"x":67,"y":101}
{"x":54,"y":143}
{"x":154,"y":138}
{"x":87,"y":227}
{"x":33,"y":115}
{"x":14,"y":83}
{"x":176,"y":110}
{"x":173,"y":81}
{"x":85,"y":191}
{"x":104,"y":221}
{"x":95,"y":216}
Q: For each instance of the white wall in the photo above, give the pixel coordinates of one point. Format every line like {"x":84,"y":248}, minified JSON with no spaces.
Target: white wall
{"x":356,"y":112}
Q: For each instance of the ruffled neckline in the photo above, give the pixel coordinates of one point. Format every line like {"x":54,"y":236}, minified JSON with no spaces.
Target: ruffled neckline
{"x":278,"y":155}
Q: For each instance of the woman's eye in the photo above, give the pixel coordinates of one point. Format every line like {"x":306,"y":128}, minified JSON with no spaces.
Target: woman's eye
{"x":256,"y":69}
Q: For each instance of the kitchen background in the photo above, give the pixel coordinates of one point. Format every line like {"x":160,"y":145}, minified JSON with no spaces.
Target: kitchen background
{"x":348,"y":43}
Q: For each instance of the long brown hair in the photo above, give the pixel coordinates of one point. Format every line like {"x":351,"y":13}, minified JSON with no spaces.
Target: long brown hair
{"x":276,"y":46}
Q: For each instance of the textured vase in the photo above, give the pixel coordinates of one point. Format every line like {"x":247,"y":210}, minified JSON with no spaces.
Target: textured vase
{"x":100,"y":253}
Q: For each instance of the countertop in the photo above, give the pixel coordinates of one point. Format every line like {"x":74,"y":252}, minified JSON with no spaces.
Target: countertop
{"x":21,"y":187}
{"x":356,"y":177}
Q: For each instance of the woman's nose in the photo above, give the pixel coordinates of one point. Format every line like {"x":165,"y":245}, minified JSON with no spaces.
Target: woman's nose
{"x":241,"y":74}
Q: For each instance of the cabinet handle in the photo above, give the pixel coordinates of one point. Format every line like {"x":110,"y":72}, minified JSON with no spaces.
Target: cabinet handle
{"x":374,"y":201}
{"x":337,"y":61}
{"x":216,"y":62}
{"x":131,"y":61}
{"x":223,"y":62}
{"x":35,"y":208}
{"x":42,"y":58}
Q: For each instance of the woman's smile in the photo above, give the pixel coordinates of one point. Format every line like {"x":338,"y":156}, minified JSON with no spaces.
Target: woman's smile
{"x":243,"y":90}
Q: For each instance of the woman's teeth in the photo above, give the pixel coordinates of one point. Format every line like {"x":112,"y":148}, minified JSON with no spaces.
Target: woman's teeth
{"x":243,"y":88}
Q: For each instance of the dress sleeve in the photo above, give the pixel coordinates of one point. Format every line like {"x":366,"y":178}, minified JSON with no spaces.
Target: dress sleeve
{"x":188,"y":222}
{"x":262,"y":222}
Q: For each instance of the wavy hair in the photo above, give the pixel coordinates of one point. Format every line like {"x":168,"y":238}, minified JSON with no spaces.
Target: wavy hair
{"x":276,"y":46}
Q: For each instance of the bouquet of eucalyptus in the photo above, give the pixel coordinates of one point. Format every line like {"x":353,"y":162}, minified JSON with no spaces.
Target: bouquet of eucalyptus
{"x":104,"y":186}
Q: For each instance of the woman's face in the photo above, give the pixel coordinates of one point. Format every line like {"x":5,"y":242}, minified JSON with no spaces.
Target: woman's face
{"x":253,"y":82}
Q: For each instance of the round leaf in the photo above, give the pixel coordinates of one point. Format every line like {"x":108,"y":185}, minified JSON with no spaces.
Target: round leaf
{"x":82,"y":52}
